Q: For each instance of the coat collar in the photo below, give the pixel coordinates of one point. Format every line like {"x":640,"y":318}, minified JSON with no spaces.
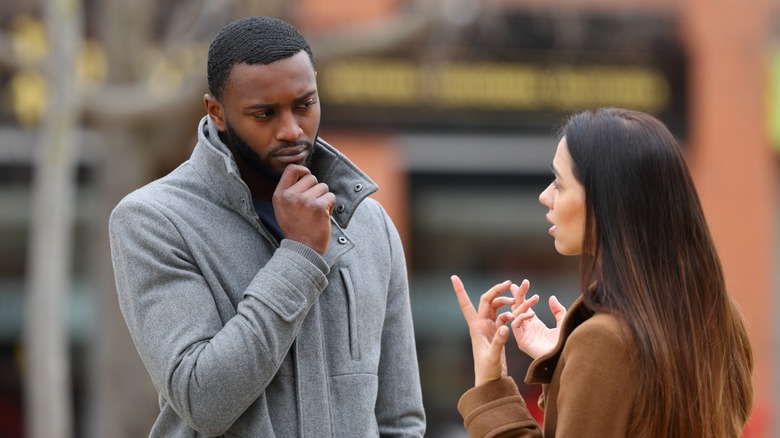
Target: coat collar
{"x":541,"y":370}
{"x":350,"y":184}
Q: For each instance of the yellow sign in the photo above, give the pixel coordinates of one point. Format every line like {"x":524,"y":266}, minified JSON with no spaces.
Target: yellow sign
{"x":773,"y":100}
{"x":492,"y":86}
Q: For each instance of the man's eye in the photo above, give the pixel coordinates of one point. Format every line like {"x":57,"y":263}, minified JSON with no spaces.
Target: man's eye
{"x":262,"y":115}
{"x":309,"y":103}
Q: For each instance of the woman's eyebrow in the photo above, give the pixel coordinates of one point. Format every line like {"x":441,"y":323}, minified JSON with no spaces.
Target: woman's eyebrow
{"x":554,"y":170}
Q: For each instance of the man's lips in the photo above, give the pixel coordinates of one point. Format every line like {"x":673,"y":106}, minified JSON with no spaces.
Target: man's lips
{"x":292,"y":154}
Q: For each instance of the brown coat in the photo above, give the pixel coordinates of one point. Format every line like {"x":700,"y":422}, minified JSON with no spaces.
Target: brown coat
{"x":588,"y":381}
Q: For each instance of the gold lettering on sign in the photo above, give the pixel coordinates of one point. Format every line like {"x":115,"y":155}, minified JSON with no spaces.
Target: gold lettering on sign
{"x":492,"y":86}
{"x":372,"y":82}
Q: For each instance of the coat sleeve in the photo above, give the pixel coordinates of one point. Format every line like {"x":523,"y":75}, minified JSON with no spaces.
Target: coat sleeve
{"x":209,"y":370}
{"x":593,"y":392}
{"x":399,"y":408}
{"x":597,"y":382}
{"x":496,"y":409}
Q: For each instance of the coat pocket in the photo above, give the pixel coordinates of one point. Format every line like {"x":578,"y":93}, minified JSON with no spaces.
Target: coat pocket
{"x":352,"y":325}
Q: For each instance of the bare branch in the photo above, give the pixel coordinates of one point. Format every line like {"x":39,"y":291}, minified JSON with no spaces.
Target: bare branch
{"x":198,"y":21}
{"x":377,"y":37}
{"x":135,"y":103}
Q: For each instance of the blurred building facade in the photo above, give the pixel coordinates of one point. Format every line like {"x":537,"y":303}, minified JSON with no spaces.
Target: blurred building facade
{"x":452,"y":106}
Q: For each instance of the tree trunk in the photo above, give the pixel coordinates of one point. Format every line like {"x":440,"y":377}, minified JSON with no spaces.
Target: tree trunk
{"x":48,"y":389}
{"x":122,"y":401}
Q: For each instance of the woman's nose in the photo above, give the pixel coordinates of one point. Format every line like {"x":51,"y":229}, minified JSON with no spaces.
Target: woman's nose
{"x":544,"y":197}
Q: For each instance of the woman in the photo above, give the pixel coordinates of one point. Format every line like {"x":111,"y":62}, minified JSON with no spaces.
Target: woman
{"x":653,"y":346}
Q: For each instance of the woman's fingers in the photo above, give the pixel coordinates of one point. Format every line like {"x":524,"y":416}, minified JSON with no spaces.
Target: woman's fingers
{"x":519,"y":319}
{"x":519,"y":292}
{"x":489,"y":302}
{"x":504,"y":318}
{"x":500,"y":302}
{"x":557,"y":309}
{"x":499,"y":341}
{"x":525,"y":306}
{"x":490,"y":364}
{"x":486,"y":308}
{"x":463,"y":299}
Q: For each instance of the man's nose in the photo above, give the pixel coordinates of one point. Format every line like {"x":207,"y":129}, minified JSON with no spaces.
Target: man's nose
{"x":289,"y":129}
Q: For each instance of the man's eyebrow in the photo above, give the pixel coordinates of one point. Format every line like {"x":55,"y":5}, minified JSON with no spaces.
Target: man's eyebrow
{"x":259,"y":106}
{"x":307,"y":95}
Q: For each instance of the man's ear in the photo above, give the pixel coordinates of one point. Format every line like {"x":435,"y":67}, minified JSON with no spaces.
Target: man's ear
{"x":215,"y":111}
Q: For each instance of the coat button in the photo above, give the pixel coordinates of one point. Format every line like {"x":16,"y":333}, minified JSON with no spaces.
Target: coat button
{"x":358,"y":187}
{"x":342,"y":240}
{"x":341,"y":208}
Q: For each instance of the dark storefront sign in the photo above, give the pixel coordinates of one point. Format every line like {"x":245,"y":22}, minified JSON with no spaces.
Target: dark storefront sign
{"x":518,"y":72}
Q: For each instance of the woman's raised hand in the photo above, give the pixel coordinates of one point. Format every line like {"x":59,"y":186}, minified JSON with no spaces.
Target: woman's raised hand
{"x":488,"y":330}
{"x":532,"y":336}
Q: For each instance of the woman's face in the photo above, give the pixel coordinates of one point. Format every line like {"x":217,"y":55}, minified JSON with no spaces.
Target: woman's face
{"x":565,"y":197}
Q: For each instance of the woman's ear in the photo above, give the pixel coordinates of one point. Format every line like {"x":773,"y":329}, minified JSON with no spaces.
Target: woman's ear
{"x":215,"y":111}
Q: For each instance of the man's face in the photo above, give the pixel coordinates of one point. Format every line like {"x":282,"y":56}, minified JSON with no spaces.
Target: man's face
{"x":271,"y":114}
{"x":261,"y":165}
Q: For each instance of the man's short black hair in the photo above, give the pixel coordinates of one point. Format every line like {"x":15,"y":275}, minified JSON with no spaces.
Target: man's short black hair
{"x":253,"y":41}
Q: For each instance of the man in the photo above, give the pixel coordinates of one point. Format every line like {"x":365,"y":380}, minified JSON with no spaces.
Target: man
{"x":265,"y":292}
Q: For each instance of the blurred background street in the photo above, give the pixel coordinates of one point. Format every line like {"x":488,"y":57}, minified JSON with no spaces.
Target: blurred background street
{"x":451,"y":106}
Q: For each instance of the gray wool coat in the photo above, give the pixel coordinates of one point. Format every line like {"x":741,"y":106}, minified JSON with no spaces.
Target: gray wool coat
{"x":245,"y":336}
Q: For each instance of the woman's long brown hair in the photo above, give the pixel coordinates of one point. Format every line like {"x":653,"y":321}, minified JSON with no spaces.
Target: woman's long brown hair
{"x":650,"y":260}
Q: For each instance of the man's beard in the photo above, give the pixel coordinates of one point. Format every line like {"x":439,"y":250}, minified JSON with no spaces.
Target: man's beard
{"x":253,"y":160}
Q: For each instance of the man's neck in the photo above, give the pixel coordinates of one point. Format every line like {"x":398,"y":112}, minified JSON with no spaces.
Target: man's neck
{"x":259,"y":185}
